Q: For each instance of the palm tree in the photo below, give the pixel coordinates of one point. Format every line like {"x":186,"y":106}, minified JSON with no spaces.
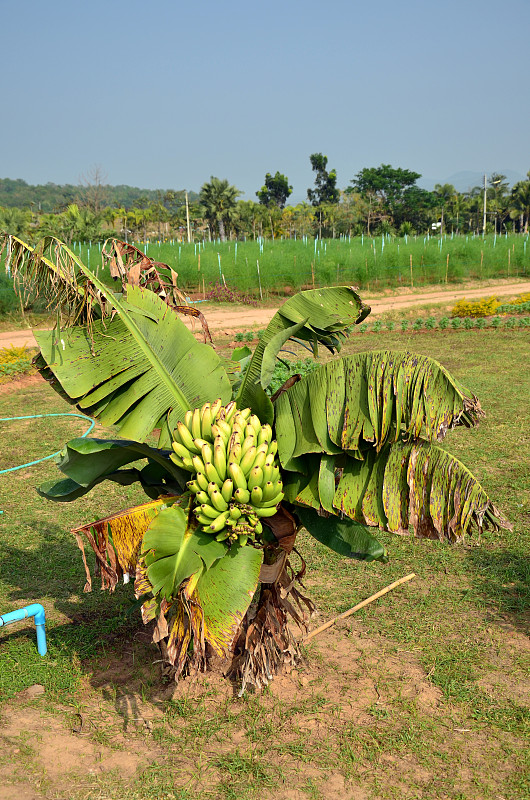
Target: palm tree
{"x":444,"y":194}
{"x":218,"y":198}
{"x":520,"y":204}
{"x":237,"y":472}
{"x":15,"y":220}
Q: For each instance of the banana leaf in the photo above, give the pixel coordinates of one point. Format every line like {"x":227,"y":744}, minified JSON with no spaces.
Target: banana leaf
{"x":116,"y":540}
{"x":346,"y":537}
{"x":368,"y":399}
{"x":174,"y":550}
{"x":135,"y":369}
{"x":138,"y":372}
{"x":418,"y":485}
{"x":317,"y":316}
{"x":208,"y":586}
{"x":87,"y":462}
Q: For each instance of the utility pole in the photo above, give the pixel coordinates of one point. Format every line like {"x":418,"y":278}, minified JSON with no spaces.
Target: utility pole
{"x":188,"y":218}
{"x":484,"y":220}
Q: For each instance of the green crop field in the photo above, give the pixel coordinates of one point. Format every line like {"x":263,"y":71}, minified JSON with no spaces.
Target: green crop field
{"x":282,"y":265}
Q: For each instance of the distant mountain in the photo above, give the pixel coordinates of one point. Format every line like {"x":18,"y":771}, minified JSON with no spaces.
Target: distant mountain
{"x":465,"y":180}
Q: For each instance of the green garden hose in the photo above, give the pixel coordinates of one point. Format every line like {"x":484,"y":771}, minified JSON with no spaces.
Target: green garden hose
{"x":44,"y":458}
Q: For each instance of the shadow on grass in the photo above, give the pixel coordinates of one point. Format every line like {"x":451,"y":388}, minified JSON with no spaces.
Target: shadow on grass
{"x":104,"y":640}
{"x":502,"y":578}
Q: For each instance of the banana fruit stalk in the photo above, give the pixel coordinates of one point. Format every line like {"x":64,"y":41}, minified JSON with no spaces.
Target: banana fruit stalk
{"x":235,"y":473}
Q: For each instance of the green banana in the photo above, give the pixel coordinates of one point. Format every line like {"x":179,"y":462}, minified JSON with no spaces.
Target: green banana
{"x":247,"y":460}
{"x":208,"y":510}
{"x":186,"y":438}
{"x":198,"y":463}
{"x":260,"y":459}
{"x":225,"y":429}
{"x":180,"y":450}
{"x":273,"y":448}
{"x":248,"y":441}
{"x":266,"y":512}
{"x":202,"y":480}
{"x":206,"y":422}
{"x":216,"y":431}
{"x":270,"y":490}
{"x":219,"y":461}
{"x":243,"y":539}
{"x":242,"y":495}
{"x":202,"y":497}
{"x":265,"y":434}
{"x":206,"y":452}
{"x":176,"y":460}
{"x":216,"y":499}
{"x":188,"y":416}
{"x":237,"y":475}
{"x":201,"y":518}
{"x":267,"y":469}
{"x":196,"y":423}
{"x":214,"y":409}
{"x":272,"y":502}
{"x":256,"y":495}
{"x":255,"y":477}
{"x":227,"y":489}
{"x":222,"y":536}
{"x":235,"y":453}
{"x":235,"y":513}
{"x":254,"y":423}
{"x":212,"y":474}
{"x":218,"y":523}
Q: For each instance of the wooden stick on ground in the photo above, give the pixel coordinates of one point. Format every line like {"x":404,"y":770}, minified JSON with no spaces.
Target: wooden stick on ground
{"x":359,"y":606}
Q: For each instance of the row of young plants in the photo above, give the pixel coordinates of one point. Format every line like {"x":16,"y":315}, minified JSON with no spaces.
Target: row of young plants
{"x":431,"y":323}
{"x":428,"y":323}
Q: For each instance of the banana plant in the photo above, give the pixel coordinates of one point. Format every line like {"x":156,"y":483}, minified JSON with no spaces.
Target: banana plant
{"x":236,"y":471}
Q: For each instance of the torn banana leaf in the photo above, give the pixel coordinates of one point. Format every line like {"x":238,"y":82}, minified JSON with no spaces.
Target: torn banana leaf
{"x":137,"y":371}
{"x":368,"y":399}
{"x":317,"y":316}
{"x":417,"y":485}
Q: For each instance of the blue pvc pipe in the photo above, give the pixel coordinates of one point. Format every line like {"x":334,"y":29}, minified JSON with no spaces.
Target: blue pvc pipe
{"x":34,"y":610}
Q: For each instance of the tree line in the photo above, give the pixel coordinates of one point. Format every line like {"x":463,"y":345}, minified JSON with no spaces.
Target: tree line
{"x":378,"y":200}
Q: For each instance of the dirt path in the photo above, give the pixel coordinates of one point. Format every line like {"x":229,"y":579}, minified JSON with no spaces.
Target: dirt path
{"x":243,"y":317}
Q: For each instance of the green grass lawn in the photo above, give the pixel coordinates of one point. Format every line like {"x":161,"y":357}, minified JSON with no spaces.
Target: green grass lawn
{"x":420,"y":695}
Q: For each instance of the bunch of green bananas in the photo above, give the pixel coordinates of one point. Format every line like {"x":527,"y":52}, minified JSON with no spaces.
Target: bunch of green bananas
{"x":237,"y":477}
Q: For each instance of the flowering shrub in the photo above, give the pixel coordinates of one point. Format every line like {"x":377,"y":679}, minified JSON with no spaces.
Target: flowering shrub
{"x":475,"y":308}
{"x":14,"y":361}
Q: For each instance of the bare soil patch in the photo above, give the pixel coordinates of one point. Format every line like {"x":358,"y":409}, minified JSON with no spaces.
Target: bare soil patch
{"x":359,"y":720}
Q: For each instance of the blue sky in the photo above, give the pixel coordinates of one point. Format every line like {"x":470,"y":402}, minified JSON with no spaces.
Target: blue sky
{"x":164,"y":94}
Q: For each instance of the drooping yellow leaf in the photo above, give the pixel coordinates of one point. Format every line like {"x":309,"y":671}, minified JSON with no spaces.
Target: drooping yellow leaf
{"x":116,"y":540}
